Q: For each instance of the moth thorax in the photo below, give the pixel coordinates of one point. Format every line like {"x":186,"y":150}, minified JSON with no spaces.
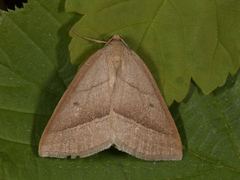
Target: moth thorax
{"x":116,"y":62}
{"x":118,"y":51}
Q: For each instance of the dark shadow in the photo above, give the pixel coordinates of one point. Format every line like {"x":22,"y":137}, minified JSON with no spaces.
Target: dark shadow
{"x":7,"y":4}
{"x":230,"y":82}
{"x":61,"y":6}
{"x":174,"y":109}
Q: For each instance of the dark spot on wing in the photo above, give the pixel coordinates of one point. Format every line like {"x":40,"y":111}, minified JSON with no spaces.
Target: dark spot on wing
{"x":151,"y":105}
{"x":75,"y":103}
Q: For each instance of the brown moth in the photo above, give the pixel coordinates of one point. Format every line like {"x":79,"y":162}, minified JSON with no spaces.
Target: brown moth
{"x":113,"y":100}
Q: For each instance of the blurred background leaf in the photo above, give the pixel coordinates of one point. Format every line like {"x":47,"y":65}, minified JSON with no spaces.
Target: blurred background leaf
{"x":35,"y":70}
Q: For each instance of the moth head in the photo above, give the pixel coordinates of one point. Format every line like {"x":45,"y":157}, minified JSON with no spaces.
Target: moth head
{"x":116,"y":37}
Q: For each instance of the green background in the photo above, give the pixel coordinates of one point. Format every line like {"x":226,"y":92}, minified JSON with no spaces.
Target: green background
{"x":190,"y":47}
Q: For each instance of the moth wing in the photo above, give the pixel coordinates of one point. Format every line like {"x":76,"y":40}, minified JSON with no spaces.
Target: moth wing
{"x":80,"y":124}
{"x":143,"y":125}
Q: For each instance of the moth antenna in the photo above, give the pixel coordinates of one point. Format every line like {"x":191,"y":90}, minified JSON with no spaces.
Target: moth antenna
{"x":95,"y":40}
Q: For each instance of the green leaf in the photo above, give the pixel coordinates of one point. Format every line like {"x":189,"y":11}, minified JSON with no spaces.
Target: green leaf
{"x":178,"y":40}
{"x":35,"y":71}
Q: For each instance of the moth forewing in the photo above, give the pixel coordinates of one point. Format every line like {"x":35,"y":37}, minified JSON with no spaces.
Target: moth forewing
{"x":113,"y":100}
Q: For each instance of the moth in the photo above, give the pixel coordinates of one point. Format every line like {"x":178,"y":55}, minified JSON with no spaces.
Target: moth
{"x":113,"y":100}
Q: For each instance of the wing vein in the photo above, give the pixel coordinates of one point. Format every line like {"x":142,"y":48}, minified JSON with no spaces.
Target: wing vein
{"x":95,"y":86}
